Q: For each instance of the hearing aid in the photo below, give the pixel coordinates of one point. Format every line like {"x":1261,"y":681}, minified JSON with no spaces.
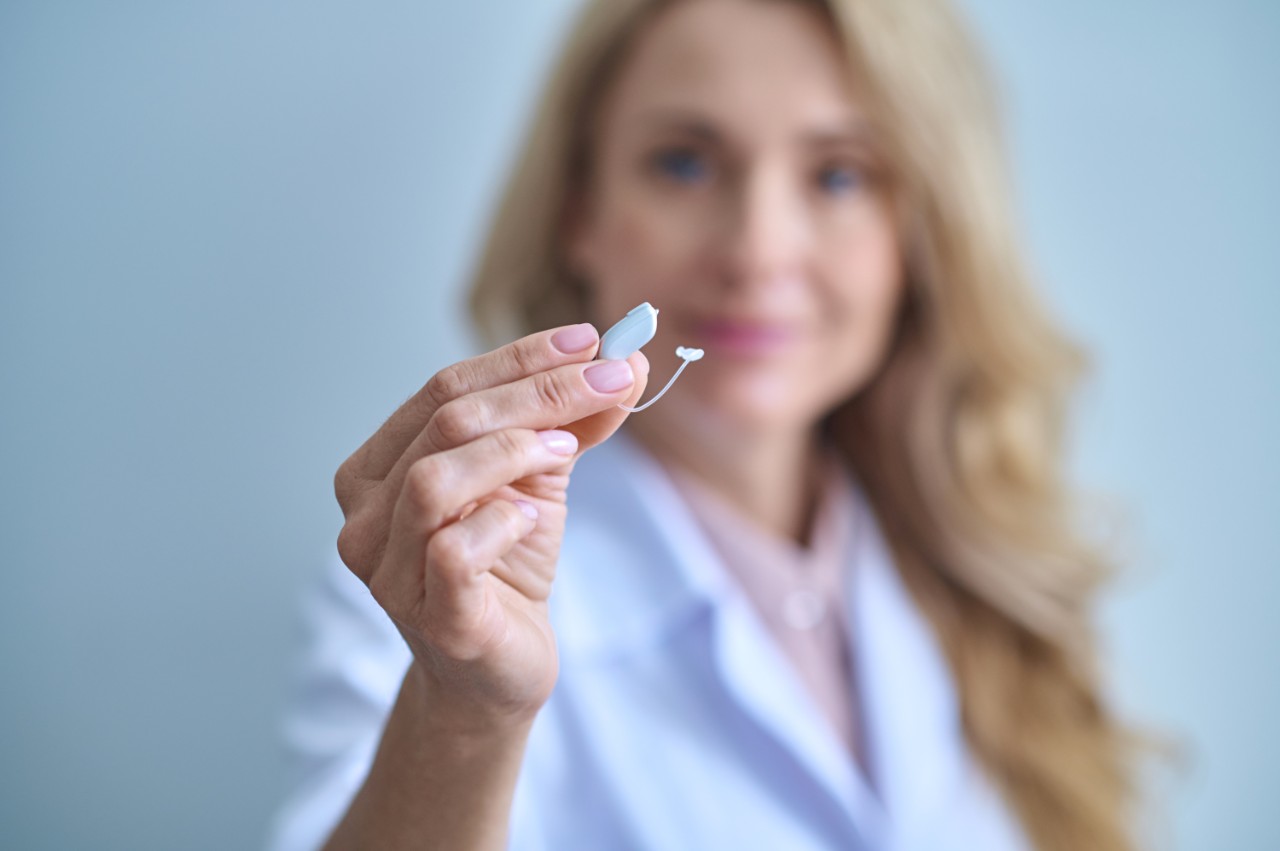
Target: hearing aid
{"x":630,"y":334}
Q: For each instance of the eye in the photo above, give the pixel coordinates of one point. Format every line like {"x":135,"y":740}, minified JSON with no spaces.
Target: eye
{"x":840,"y":179}
{"x":682,"y":165}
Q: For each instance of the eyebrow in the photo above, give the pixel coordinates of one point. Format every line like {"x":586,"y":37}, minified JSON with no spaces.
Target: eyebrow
{"x":682,"y":122}
{"x":854,"y":130}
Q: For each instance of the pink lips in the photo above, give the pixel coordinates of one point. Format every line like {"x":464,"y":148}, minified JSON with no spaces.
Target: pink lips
{"x":743,"y":338}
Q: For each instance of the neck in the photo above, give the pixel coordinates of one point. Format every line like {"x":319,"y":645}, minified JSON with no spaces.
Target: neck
{"x":768,"y":476}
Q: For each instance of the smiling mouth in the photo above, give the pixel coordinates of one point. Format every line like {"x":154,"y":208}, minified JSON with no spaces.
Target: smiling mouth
{"x":735,"y":337}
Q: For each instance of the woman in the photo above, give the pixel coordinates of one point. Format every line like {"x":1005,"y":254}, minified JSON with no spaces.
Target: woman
{"x":827,"y":593}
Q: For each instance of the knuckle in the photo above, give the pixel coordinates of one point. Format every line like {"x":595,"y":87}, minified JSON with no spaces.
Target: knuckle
{"x":344,"y":485}
{"x":426,"y":484}
{"x":525,"y":359}
{"x":511,"y":520}
{"x":449,"y":552}
{"x":454,"y":423}
{"x":446,"y":385}
{"x":353,"y":549}
{"x":510,"y":441}
{"x":348,"y":546}
{"x":554,"y":391}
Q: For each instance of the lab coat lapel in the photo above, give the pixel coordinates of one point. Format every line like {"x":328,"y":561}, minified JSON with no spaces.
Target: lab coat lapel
{"x":916,"y":743}
{"x":642,"y":566}
{"x":749,"y":661}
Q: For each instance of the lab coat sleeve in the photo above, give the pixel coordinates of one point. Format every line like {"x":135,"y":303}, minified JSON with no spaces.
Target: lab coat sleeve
{"x":352,"y":666}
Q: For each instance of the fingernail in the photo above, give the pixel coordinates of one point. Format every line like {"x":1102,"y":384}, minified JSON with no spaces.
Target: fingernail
{"x":529,"y":509}
{"x":559,"y":442}
{"x":575,"y":338}
{"x":610,"y":376}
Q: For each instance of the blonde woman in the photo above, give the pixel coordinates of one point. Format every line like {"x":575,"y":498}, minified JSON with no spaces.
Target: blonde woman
{"x":827,"y":593}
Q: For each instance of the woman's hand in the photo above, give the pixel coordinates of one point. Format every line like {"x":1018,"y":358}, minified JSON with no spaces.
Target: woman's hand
{"x":455,"y":511}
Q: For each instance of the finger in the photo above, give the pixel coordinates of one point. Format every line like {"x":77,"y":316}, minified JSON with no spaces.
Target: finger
{"x":439,"y":486}
{"x":444,"y":592}
{"x":597,"y":428}
{"x":458,"y":556}
{"x":526,"y":356}
{"x":464,"y":551}
{"x":545,"y":400}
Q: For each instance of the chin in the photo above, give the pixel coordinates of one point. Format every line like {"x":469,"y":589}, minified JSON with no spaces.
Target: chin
{"x":752,"y":407}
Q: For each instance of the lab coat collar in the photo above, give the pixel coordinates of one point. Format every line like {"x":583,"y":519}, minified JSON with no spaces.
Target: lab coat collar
{"x":643,"y":567}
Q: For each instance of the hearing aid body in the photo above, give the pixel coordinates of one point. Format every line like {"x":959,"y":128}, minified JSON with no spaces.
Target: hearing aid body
{"x":630,"y":333}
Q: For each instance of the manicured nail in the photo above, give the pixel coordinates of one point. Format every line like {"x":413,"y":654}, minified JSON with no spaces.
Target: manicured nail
{"x":529,"y":509}
{"x":610,"y":376}
{"x":575,"y":338}
{"x":559,"y":442}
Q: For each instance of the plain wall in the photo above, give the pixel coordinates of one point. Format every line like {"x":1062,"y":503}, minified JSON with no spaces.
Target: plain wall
{"x":231,"y":236}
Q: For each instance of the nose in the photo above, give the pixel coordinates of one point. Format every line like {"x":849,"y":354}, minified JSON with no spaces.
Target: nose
{"x":767,"y":234}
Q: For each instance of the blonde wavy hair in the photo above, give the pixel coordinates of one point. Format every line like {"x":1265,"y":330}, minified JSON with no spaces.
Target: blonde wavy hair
{"x":959,"y":438}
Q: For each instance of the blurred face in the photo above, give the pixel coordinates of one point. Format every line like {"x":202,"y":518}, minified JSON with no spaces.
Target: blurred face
{"x":734,"y":186}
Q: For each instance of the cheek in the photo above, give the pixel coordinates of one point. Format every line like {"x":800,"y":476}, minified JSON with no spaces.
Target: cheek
{"x":865,"y":290}
{"x":638,"y":254}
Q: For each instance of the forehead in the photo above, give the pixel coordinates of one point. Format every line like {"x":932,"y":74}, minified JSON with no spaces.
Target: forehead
{"x":750,"y":66}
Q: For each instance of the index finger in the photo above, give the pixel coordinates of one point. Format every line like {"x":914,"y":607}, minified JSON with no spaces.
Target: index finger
{"x":526,"y":356}
{"x":597,"y":428}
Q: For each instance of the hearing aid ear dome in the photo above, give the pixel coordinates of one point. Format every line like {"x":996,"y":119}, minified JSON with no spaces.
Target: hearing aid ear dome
{"x":689,"y":354}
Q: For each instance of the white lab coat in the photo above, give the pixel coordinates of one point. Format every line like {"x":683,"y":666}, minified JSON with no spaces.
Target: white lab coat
{"x":677,"y":722}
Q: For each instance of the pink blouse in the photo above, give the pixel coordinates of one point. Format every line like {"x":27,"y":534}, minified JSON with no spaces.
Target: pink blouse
{"x":797,"y":590}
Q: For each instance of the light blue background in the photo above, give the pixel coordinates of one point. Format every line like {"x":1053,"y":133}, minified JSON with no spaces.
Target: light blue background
{"x":230,"y":241}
